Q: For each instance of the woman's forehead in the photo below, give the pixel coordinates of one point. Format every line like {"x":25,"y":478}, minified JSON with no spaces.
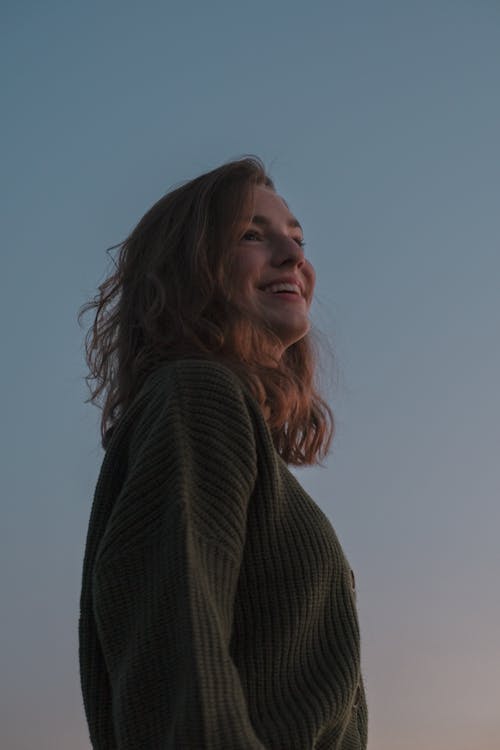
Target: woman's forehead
{"x":267,"y":206}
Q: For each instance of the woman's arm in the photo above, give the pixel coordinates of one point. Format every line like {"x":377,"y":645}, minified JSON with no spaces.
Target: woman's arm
{"x":167,"y":570}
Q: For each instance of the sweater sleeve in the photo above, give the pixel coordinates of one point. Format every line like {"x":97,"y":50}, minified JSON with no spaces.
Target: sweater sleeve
{"x":167,"y":570}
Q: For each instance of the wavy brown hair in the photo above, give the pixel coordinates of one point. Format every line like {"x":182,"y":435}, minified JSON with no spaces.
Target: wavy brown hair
{"x":168,"y":298}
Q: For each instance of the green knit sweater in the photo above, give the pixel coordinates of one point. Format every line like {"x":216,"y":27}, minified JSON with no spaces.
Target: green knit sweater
{"x":217,"y":607}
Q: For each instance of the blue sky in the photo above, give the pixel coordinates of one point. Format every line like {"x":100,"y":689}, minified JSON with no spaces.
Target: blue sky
{"x":380,"y":124}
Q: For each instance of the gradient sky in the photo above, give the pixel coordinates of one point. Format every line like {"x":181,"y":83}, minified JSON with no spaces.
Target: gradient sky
{"x":380,"y":123}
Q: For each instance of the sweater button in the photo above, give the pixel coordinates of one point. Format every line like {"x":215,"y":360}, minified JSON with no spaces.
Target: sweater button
{"x":357,"y":697}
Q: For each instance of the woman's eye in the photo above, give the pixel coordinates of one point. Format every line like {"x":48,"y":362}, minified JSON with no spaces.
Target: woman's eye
{"x":251,"y":236}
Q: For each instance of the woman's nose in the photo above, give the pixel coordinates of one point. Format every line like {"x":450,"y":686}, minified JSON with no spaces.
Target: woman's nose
{"x":288,"y":250}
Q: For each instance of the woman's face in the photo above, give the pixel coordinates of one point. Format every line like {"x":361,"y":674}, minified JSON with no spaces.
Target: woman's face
{"x":268,"y":256}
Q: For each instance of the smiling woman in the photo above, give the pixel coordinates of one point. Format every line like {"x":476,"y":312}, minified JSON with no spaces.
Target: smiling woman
{"x":217,"y":606}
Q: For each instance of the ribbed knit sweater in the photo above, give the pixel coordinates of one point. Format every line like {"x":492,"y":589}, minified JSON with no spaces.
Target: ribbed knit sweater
{"x":217,"y":606}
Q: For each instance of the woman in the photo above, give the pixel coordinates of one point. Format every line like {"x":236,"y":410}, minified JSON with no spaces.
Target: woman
{"x":217,"y":606}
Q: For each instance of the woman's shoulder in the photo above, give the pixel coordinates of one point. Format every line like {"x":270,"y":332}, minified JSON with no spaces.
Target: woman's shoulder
{"x":199,"y":401}
{"x":205,"y":392}
{"x":196,"y":375}
{"x":198,"y":388}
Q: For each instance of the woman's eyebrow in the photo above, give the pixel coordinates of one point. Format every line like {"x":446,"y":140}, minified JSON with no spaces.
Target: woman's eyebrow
{"x":262,"y":220}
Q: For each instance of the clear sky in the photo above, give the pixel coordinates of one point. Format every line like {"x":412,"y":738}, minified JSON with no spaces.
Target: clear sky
{"x":380,"y":123}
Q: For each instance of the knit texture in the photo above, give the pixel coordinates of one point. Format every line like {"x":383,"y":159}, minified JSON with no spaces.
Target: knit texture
{"x":217,"y":606}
